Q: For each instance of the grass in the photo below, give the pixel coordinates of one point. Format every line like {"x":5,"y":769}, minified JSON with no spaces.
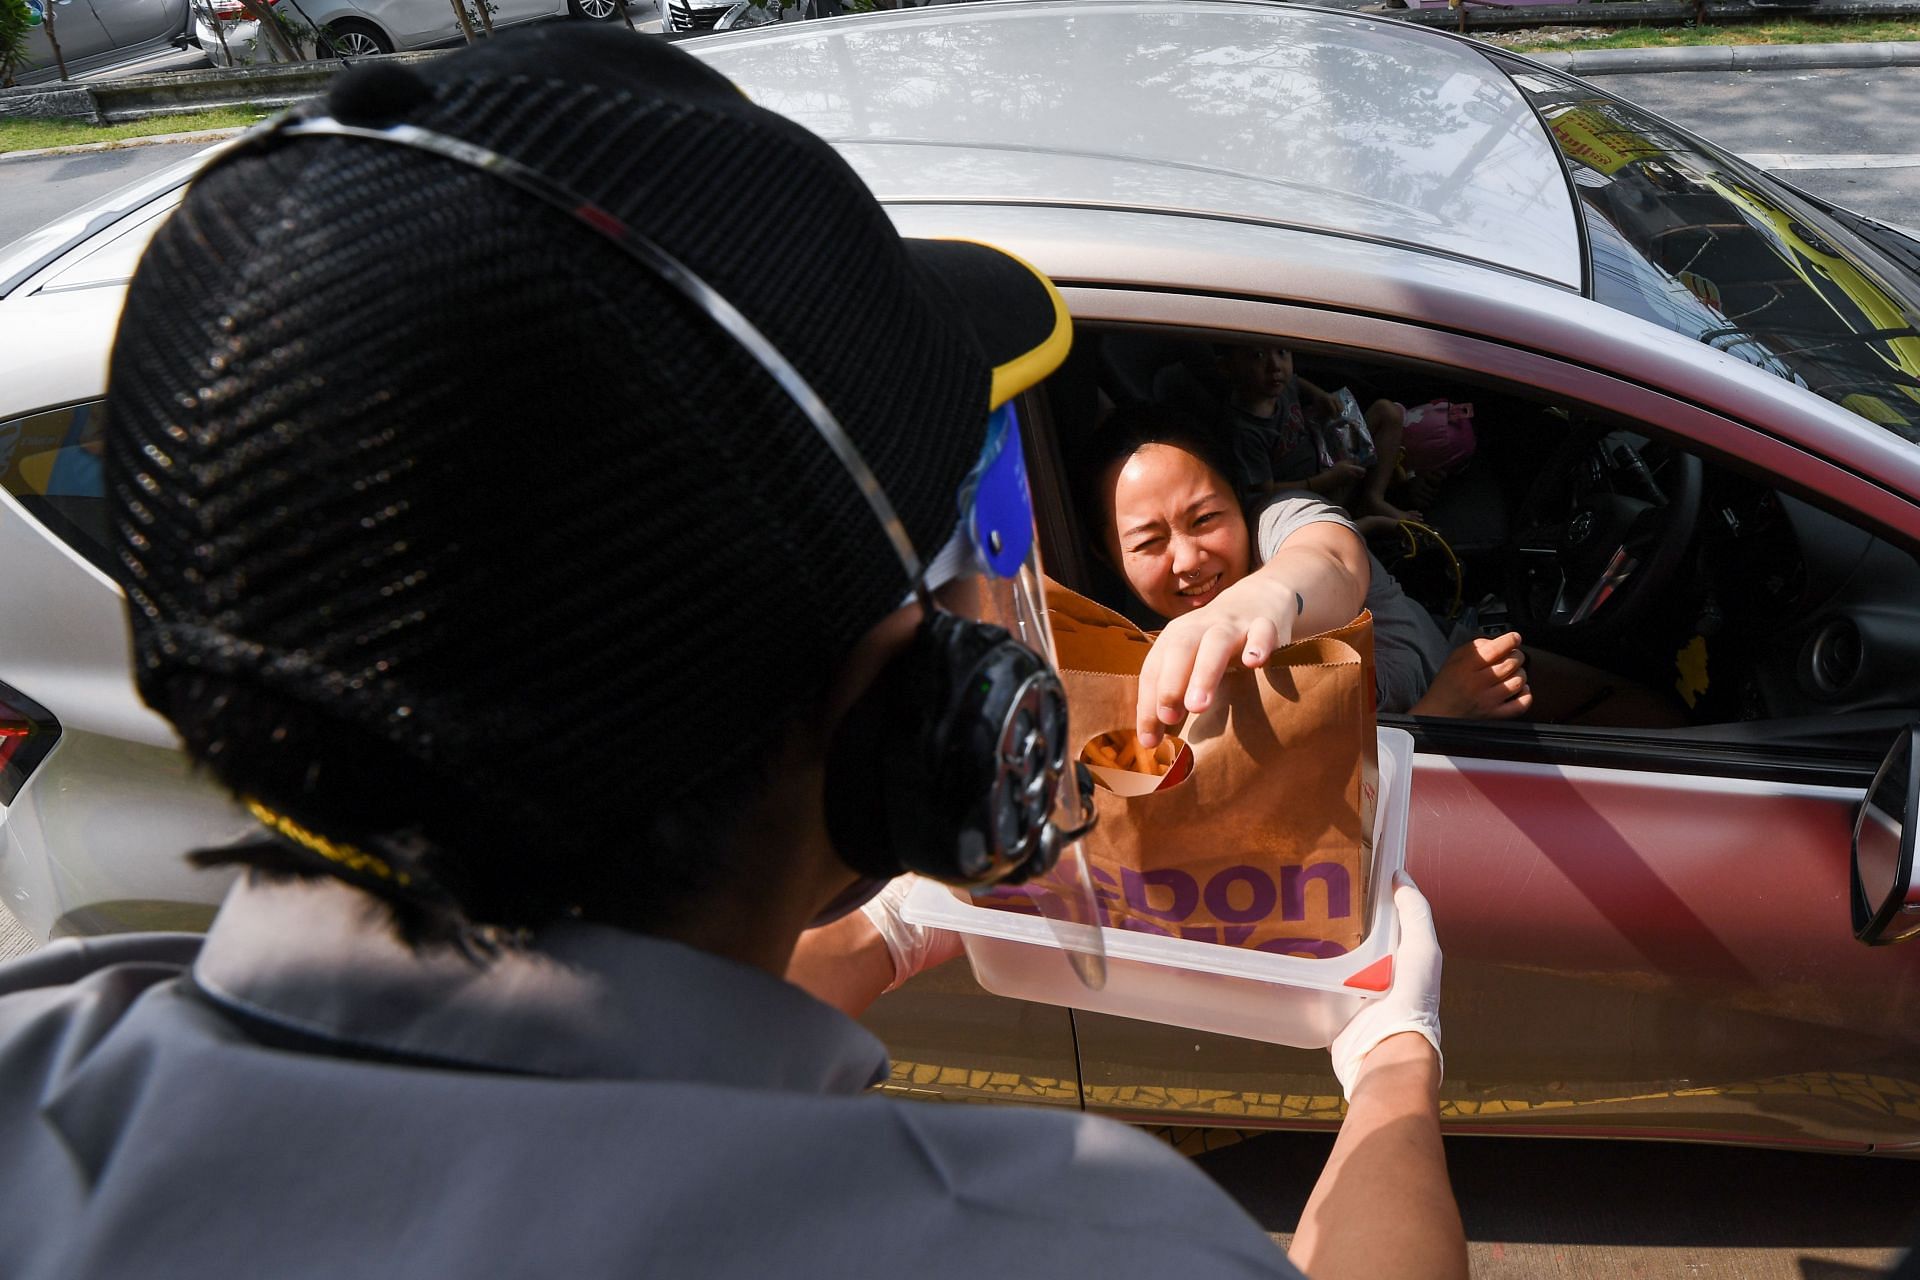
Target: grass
{"x":31,"y":135}
{"x":1780,"y":31}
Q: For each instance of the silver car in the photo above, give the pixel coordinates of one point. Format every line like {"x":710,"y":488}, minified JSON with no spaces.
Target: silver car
{"x":98,"y":35}
{"x":362,"y":28}
{"x":1697,"y":399}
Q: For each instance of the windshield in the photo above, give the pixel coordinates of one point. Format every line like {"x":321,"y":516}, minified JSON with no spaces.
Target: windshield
{"x":1703,"y":244}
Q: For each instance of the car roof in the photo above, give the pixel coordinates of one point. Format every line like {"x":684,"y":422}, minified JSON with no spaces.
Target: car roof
{"x":1241,"y":110}
{"x":1103,"y":246}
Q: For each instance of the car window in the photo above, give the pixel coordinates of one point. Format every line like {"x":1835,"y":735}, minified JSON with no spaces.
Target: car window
{"x":50,"y":463}
{"x":1699,"y":242}
{"x":1738,"y":602}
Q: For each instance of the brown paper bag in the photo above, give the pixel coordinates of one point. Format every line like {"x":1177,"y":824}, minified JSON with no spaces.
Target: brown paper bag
{"x":1268,"y":843}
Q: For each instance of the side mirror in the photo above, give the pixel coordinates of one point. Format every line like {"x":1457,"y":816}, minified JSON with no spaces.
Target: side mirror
{"x":1886,"y":898}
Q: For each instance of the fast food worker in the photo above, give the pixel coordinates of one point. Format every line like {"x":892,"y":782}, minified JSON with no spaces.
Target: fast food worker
{"x":526,"y":611}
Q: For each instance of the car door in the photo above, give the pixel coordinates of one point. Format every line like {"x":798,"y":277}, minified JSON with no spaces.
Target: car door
{"x":949,"y":1039}
{"x":413,"y":23}
{"x":1646,"y":931}
{"x":81,"y":33}
{"x":132,"y":23}
{"x":513,"y":11}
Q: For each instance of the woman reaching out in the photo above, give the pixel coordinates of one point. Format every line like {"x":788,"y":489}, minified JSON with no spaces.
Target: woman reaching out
{"x":1169,"y":521}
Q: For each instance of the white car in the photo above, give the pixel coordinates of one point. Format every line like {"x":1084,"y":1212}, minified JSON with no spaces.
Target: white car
{"x":96,"y":802}
{"x":1697,"y":466}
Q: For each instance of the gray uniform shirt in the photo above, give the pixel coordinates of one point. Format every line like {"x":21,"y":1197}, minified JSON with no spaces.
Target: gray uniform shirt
{"x":316,"y":1101}
{"x":1408,"y":645}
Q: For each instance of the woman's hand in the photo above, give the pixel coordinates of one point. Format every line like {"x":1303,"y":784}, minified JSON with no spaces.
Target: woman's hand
{"x":1313,"y":582}
{"x":1245,"y":623}
{"x":1482,"y":679}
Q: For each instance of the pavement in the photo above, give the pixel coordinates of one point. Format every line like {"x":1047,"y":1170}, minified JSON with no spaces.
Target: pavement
{"x":14,"y":940}
{"x":1733,"y":57}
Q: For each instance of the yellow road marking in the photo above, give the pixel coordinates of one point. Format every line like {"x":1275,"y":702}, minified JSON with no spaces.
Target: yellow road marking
{"x":1885,"y":1095}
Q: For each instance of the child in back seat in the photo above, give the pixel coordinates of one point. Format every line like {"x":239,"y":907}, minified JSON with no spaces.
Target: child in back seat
{"x":1276,"y":448}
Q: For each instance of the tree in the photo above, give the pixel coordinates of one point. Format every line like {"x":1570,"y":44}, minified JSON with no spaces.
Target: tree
{"x":205,"y":8}
{"x":466,"y":23}
{"x":46,"y":8}
{"x":16,"y":20}
{"x":262,"y":13}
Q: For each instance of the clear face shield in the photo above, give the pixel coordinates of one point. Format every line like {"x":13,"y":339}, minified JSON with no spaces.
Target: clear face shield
{"x":1041,"y":800}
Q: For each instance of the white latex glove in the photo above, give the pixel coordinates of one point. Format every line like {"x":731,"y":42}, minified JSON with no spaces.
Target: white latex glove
{"x":1412,"y":1003}
{"x":914,"y":948}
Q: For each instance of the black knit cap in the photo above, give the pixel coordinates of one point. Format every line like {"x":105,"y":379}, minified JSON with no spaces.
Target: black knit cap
{"x":450,"y":532}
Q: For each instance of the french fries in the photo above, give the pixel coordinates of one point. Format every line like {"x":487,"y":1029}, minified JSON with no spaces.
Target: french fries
{"x":1120,"y":749}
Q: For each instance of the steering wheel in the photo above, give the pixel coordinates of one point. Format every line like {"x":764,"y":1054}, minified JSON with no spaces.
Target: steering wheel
{"x":1602,"y":534}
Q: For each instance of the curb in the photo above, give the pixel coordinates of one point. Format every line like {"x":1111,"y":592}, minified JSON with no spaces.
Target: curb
{"x":1732,"y":57}
{"x":121,"y":144}
{"x":117,"y":101}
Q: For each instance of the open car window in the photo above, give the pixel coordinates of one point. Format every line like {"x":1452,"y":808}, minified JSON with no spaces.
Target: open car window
{"x":1774,"y":626}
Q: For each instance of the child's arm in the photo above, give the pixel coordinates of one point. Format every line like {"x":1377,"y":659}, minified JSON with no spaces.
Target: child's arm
{"x":1309,"y":393}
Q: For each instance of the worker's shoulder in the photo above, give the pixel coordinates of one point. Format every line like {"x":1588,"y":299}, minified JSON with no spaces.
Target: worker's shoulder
{"x":1086,"y":1192}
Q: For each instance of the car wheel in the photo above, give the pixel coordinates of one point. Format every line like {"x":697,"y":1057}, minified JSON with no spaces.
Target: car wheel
{"x":594,"y":10}
{"x":357,"y":40}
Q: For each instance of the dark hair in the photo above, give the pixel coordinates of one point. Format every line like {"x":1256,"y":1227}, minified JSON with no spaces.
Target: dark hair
{"x":1225,"y":350}
{"x":1128,"y":430}
{"x":452,"y":866}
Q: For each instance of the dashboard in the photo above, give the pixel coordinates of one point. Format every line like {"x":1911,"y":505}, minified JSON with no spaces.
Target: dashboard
{"x":1823,"y":615}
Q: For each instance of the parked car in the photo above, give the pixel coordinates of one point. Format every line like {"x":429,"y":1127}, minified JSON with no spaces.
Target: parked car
{"x":696,"y":17}
{"x":1694,"y":387}
{"x":362,"y":28}
{"x":99,"y":35}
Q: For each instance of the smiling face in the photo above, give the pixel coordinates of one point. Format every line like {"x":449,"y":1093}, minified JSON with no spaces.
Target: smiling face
{"x":1176,"y":530}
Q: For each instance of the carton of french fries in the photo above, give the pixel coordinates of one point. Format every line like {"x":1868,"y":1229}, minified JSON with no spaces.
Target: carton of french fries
{"x":1120,"y":764}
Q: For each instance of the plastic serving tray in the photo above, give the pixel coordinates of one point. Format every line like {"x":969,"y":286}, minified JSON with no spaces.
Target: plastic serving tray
{"x":1235,"y":991}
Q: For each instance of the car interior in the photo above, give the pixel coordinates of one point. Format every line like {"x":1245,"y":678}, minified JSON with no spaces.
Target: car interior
{"x":1733,"y":602}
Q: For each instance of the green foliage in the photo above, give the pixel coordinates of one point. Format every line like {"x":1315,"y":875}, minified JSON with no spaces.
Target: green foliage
{"x":298,"y":31}
{"x":1774,"y":31}
{"x":15,"y":23}
{"x":31,"y":135}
